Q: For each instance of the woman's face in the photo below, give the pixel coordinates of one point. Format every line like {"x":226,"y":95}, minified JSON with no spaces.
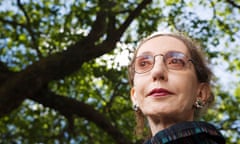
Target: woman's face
{"x":166,"y":92}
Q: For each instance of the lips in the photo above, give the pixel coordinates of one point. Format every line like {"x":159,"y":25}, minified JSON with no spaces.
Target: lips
{"x":159,"y":92}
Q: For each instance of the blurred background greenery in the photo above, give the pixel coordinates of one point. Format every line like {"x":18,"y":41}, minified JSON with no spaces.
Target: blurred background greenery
{"x":63,"y":65}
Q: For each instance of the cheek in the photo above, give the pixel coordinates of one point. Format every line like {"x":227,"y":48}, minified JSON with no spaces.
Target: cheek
{"x":139,"y":81}
{"x":140,"y":85}
{"x":185,"y":84}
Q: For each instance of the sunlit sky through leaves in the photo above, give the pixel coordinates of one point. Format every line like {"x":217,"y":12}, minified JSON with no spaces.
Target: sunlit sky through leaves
{"x":121,"y":58}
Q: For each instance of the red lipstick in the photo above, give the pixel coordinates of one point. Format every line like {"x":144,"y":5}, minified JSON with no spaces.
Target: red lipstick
{"x":159,"y":92}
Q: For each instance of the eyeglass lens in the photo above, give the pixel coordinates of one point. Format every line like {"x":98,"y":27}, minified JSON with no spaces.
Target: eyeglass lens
{"x":172,"y":59}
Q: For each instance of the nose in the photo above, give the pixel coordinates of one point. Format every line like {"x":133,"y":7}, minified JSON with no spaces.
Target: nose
{"x":159,"y":70}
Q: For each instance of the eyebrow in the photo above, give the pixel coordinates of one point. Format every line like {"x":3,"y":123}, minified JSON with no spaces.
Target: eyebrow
{"x":145,"y":53}
{"x":151,"y":53}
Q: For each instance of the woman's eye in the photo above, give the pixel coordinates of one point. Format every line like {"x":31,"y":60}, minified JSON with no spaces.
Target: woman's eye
{"x":144,"y":63}
{"x":176,"y":62}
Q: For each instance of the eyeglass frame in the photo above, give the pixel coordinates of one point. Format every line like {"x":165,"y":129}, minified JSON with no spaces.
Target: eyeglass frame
{"x":184,"y":58}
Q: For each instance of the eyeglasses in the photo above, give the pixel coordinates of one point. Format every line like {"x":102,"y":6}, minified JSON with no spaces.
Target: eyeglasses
{"x":173,"y":60}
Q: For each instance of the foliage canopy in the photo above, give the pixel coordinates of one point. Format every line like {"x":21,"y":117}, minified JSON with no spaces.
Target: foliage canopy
{"x":61,"y":82}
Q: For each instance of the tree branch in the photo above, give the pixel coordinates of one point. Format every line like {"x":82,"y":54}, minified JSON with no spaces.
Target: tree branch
{"x":115,"y":35}
{"x":33,"y":78}
{"x":133,"y":15}
{"x":112,"y":97}
{"x":233,"y":3}
{"x":5,"y":73}
{"x":24,"y":12}
{"x":69,"y":106}
{"x":99,"y":26}
{"x":29,"y":81}
{"x":29,"y":28}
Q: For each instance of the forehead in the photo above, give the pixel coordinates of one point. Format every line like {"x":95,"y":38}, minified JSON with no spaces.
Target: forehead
{"x":162,"y":44}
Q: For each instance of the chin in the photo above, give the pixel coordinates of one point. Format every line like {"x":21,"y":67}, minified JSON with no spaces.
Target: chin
{"x":156,"y":113}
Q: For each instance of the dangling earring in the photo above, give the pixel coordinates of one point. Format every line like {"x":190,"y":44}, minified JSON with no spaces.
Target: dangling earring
{"x":135,"y":107}
{"x":199,"y":104}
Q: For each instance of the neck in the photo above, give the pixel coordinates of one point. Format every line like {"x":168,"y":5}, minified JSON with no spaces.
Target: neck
{"x":158,"y":124}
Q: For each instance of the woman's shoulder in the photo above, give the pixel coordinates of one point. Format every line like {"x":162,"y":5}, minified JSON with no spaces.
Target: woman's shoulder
{"x":190,"y":132}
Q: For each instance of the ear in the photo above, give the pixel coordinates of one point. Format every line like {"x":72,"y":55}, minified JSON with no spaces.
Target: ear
{"x":203,"y":92}
{"x":133,"y":95}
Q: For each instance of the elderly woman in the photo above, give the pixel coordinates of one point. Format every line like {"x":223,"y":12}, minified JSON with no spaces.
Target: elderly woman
{"x":170,"y":88}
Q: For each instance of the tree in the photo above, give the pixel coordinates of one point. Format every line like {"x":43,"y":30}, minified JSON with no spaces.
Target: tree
{"x":57,"y":87}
